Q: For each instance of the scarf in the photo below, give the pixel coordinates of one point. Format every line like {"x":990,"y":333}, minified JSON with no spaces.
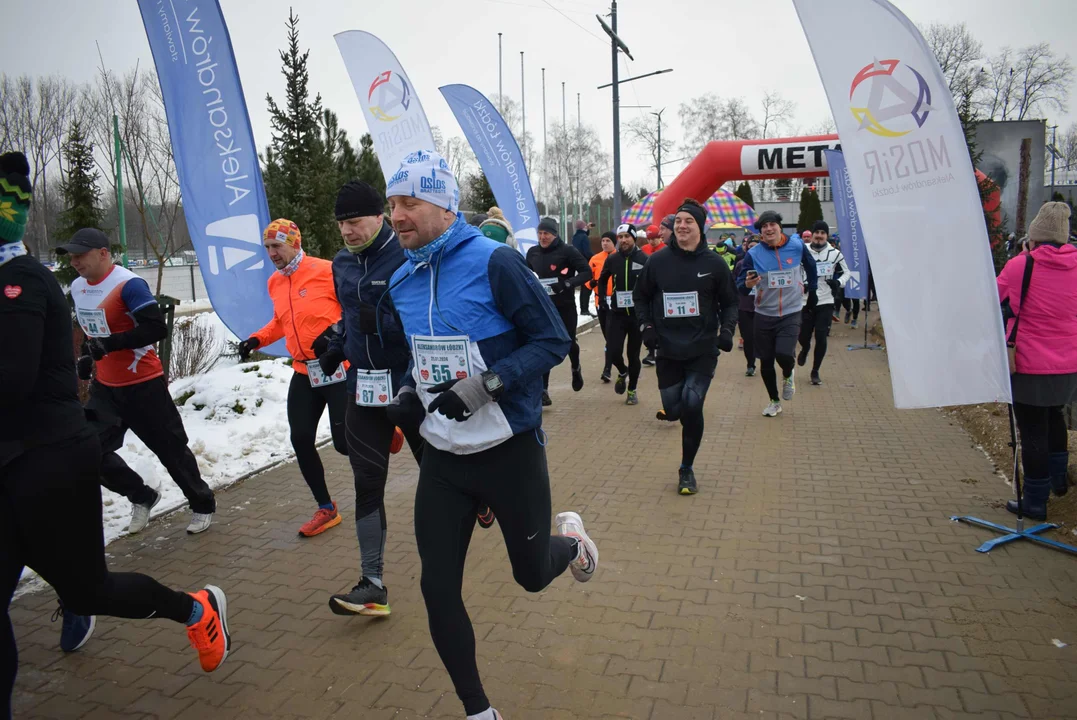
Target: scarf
{"x":423,"y":254}
{"x":10,"y":251}
{"x":293,"y":265}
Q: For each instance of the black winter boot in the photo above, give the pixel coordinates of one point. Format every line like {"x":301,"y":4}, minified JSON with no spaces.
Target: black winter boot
{"x":1058,"y":463}
{"x":1034,"y":499}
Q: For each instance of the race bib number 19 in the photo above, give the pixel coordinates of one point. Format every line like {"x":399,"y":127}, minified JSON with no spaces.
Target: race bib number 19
{"x":684,"y":304}
{"x":441,"y":359}
{"x":93,"y":322}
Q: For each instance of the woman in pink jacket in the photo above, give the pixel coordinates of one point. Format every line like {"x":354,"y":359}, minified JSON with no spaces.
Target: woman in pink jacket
{"x":1046,"y":377}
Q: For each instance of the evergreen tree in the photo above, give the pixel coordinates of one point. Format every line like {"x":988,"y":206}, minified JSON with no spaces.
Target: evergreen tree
{"x":368,"y":168}
{"x":80,"y":195}
{"x":479,"y":193}
{"x":744,"y":192}
{"x":811,"y":210}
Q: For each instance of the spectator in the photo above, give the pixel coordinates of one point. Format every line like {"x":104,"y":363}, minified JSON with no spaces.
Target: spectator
{"x":582,"y":242}
{"x":1038,"y":292}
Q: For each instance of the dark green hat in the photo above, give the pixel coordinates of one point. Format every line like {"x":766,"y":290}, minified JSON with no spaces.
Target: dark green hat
{"x":15,"y":194}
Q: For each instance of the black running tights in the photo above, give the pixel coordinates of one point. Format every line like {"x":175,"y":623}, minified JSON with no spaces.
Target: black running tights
{"x":305,"y":407}
{"x":569,"y":318}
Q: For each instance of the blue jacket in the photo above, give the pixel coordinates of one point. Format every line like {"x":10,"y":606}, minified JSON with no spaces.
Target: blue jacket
{"x":362,"y":278}
{"x":582,"y":242}
{"x":791,"y":257}
{"x":481,"y":289}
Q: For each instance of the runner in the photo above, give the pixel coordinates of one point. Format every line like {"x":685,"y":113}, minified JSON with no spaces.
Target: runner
{"x":304,"y":306}
{"x":665,"y":235}
{"x":581,"y":240}
{"x":833,"y":274}
{"x":725,"y":250}
{"x":687,"y":304}
{"x":653,"y":239}
{"x":781,"y":268}
{"x":597,"y":261}
{"x":50,"y":463}
{"x":374,"y":345}
{"x":746,"y":315}
{"x":121,"y":320}
{"x":623,"y":269}
{"x":561,"y":269}
{"x":482,"y":333}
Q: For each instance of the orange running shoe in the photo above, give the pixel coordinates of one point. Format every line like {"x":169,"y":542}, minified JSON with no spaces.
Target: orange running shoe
{"x":323,"y":520}
{"x":398,"y":441}
{"x":209,"y":636}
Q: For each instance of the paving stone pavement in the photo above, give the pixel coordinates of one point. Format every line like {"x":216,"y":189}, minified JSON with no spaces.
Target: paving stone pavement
{"x":815,"y":575}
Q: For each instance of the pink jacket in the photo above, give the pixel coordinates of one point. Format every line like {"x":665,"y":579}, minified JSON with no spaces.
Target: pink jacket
{"x":1047,"y":335}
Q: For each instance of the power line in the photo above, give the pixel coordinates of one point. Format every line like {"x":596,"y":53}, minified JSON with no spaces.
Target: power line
{"x":535,"y":7}
{"x":566,"y":17}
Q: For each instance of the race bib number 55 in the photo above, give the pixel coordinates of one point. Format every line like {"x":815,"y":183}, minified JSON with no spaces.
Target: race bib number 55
{"x":441,"y":359}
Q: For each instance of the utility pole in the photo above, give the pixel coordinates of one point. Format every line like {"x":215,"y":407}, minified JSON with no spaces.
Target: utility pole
{"x":1054,"y":154}
{"x":579,"y":138}
{"x":119,"y":185}
{"x":523,"y":109}
{"x":500,"y":92}
{"x":545,"y":156}
{"x":564,"y":131}
{"x":659,"y":116}
{"x":616,"y":115}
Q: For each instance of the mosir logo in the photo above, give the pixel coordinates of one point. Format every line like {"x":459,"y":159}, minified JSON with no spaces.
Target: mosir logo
{"x":243,"y":232}
{"x":389,"y":96}
{"x":890,"y":99}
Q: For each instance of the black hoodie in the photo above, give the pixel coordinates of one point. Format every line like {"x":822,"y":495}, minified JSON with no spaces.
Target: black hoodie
{"x":625,"y":270}
{"x":687,"y":324}
{"x":560,"y":262}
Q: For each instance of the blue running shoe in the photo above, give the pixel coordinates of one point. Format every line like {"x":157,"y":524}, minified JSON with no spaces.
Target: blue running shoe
{"x":76,"y":629}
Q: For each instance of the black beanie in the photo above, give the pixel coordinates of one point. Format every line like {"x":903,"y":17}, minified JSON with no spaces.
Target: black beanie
{"x":698,"y":212}
{"x":358,"y":199}
{"x":612,"y":236}
{"x":767,"y":216}
{"x":549,"y":225}
{"x":820,"y":226}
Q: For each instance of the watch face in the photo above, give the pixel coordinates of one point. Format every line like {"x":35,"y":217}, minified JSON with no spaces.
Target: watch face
{"x":493,"y":383}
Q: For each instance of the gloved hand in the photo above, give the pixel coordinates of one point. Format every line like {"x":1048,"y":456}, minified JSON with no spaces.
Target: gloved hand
{"x":98,"y":347}
{"x":603,"y":303}
{"x":650,"y":336}
{"x":835,"y":287}
{"x":725,"y":340}
{"x":459,"y":399}
{"x":559,"y":287}
{"x":330,"y":360}
{"x":84,"y":367}
{"x":406,"y":411}
{"x":321,"y":343}
{"x":368,"y":319}
{"x":813,"y":300}
{"x":246,"y":347}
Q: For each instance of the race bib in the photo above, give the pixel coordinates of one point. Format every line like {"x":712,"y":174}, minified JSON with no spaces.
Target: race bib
{"x":372,"y":388}
{"x":93,"y":322}
{"x":684,"y":304}
{"x":548,"y":283}
{"x":318,"y":378}
{"x":441,"y":359}
{"x":624,"y":299}
{"x":825,"y":269}
{"x":777,"y":279}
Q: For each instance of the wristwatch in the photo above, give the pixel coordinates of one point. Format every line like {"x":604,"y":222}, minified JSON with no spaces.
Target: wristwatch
{"x":492,"y":382}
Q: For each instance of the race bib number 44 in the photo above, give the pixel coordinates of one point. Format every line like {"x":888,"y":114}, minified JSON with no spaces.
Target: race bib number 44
{"x":93,"y":322}
{"x":684,"y":304}
{"x":441,"y":359}
{"x":372,"y":388}
{"x":777,"y":279}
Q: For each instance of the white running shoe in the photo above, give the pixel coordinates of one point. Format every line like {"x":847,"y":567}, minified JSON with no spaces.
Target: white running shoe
{"x":583,"y":567}
{"x":789,"y":387}
{"x":200,"y":522}
{"x":140,"y":514}
{"x":773,"y":410}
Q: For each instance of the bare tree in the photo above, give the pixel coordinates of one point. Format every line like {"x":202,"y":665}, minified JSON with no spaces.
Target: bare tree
{"x":701,"y":121}
{"x":577,"y":167}
{"x":777,"y":112}
{"x":1023,"y":83}
{"x":643,"y":131}
{"x":958,"y":53}
{"x":513,"y":116}
{"x":1067,"y":147}
{"x":738,"y":123}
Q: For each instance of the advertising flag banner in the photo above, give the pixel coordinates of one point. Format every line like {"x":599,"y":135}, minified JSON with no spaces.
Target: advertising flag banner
{"x":917,"y":200}
{"x":500,"y":159}
{"x":852,"y":239}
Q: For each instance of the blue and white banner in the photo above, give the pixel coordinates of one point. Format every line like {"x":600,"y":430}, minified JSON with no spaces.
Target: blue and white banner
{"x":500,"y":159}
{"x":852,"y":238}
{"x":909,"y":167}
{"x":216,"y":159}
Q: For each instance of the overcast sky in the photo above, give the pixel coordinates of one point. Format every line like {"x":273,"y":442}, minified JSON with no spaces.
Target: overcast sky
{"x":736,"y":48}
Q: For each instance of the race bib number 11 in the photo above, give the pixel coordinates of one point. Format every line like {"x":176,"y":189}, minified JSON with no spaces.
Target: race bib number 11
{"x":685,"y":304}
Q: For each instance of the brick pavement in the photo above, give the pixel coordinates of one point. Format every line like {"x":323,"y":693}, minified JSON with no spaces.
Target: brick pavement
{"x":816,"y":575}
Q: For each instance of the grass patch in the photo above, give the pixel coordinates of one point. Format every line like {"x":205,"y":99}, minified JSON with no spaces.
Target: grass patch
{"x":250,"y":368}
{"x":199,"y":407}
{"x":238,"y":408}
{"x":183,"y":398}
{"x":258,"y":402}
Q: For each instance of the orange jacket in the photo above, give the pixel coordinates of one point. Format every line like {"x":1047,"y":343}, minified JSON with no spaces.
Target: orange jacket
{"x":304,"y":305}
{"x":597,"y":261}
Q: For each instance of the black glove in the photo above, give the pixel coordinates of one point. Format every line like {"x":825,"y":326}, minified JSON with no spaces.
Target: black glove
{"x":559,"y":287}
{"x":835,"y":287}
{"x":321,"y":343}
{"x":406,"y":411}
{"x":650,"y":336}
{"x":603,"y":303}
{"x":459,"y":399}
{"x":725,"y":340}
{"x":330,"y":360}
{"x":98,"y":348}
{"x":246,"y":347}
{"x":368,"y":319}
{"x":84,"y":367}
{"x":813,"y":300}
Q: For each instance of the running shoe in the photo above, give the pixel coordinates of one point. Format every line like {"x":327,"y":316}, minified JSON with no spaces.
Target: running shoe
{"x":366,"y":598}
{"x":209,"y":636}
{"x":848,"y":315}
{"x":750,"y":372}
{"x":802,"y":358}
{"x":621,"y":384}
{"x":323,"y":520}
{"x":398,"y":441}
{"x":836,"y":317}
{"x":853,"y":325}
{"x":773,"y":410}
{"x":740,"y":343}
{"x":632,"y":399}
{"x":140,"y":514}
{"x":661,"y":415}
{"x":577,"y":379}
{"x":485,"y":516}
{"x":686,"y":484}
{"x":789,"y":386}
{"x":75,"y":630}
{"x":605,"y":376}
{"x":583,"y":567}
{"x":200,"y":522}
{"x":815,"y":379}
{"x":546,"y":401}
{"x":649,"y":358}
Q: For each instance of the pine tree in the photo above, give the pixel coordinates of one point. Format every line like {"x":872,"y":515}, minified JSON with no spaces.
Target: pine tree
{"x":811,"y":210}
{"x":369,"y":169}
{"x":479,"y":193}
{"x":80,"y":194}
{"x":744,"y":192}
